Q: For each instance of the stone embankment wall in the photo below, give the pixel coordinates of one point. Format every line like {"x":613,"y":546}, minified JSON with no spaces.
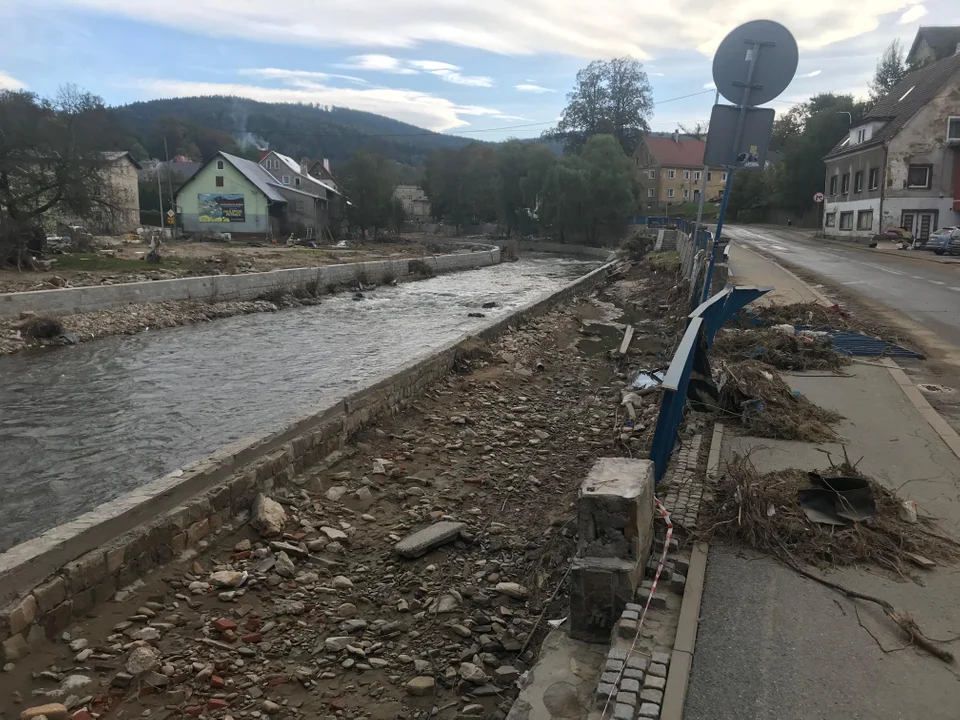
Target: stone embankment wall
{"x":68,"y":301}
{"x":563,"y":249}
{"x":61,"y":575}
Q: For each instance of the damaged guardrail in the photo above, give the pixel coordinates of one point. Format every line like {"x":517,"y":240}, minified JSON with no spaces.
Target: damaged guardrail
{"x":691,"y":357}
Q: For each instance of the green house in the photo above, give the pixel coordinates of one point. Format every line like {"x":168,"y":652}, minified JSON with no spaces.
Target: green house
{"x":230,"y":194}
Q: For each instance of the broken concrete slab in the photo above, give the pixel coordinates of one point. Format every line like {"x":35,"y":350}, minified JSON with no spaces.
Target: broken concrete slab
{"x":423,"y":541}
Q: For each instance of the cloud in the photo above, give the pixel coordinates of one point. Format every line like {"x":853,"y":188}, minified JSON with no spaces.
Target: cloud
{"x":8,"y":82}
{"x":811,"y":74}
{"x":912,"y":15}
{"x":411,"y":106}
{"x":376,"y":63}
{"x":451,"y":73}
{"x":296,"y":75}
{"x":533,"y":88}
{"x":511,"y":27}
{"x":710,"y":86}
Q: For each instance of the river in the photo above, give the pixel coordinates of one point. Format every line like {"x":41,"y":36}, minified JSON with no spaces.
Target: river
{"x":80,"y":426}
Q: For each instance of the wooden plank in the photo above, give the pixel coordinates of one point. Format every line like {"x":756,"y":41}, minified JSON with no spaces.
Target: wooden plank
{"x":627,"y":337}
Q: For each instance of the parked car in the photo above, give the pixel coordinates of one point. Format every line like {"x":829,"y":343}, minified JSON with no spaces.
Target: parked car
{"x":945,"y":241}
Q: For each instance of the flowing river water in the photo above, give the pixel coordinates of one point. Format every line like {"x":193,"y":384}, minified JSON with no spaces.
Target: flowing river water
{"x":80,"y":426}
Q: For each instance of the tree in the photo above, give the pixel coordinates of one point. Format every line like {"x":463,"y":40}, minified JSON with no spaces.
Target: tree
{"x":611,"y":97}
{"x":521,"y":171}
{"x":699,"y":131}
{"x":396,"y":215}
{"x":52,"y":164}
{"x":462,"y":184}
{"x":891,"y":69}
{"x":586,"y":193}
{"x":369,"y":181}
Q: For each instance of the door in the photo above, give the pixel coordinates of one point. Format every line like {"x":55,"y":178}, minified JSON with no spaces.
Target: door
{"x":926,"y":222}
{"x":906,"y":221}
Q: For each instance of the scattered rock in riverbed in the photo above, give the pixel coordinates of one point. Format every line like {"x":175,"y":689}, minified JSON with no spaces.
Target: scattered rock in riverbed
{"x":423,"y":541}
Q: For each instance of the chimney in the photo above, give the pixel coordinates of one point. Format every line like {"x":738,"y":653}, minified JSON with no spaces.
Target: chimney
{"x":676,"y":136}
{"x":326,"y":165}
{"x":304,"y":165}
{"x":263,"y":154}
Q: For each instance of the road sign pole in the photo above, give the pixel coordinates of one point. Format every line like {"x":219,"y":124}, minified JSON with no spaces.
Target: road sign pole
{"x":734,"y":152}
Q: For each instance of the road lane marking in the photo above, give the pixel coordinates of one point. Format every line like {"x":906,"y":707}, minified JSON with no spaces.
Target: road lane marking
{"x":954,"y":287}
{"x":937,"y":282}
{"x":917,"y":277}
{"x":886,"y":270}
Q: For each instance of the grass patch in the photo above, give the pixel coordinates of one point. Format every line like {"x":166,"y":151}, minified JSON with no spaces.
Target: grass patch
{"x":664,"y":261}
{"x":419,"y":267}
{"x":42,"y":327}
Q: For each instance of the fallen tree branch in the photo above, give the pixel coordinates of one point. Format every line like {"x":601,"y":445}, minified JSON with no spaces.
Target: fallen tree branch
{"x":907,"y":624}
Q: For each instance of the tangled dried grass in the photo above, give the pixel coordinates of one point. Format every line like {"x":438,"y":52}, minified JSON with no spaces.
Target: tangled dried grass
{"x":761,"y":511}
{"x":782,"y":351}
{"x":812,"y":314}
{"x":766,"y":406}
{"x":42,"y":327}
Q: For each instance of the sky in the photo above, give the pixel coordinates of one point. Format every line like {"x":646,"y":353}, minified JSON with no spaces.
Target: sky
{"x":489,"y":69}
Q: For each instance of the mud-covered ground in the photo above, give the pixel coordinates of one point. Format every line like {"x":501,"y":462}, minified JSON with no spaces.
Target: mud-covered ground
{"x":331,"y":621}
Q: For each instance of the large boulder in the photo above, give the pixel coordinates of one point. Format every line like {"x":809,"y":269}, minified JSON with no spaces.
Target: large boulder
{"x":269,"y":517}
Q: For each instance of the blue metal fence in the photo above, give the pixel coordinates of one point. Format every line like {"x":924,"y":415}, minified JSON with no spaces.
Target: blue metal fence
{"x":702,"y":326}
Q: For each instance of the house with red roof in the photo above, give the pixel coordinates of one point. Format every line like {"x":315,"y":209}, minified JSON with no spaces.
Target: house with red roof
{"x":670,"y":171}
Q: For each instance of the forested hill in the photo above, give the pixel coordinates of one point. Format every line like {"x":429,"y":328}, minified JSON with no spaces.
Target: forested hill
{"x":200,"y":126}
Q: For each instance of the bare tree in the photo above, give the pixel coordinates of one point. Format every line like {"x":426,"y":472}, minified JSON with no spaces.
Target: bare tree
{"x":699,"y":131}
{"x":52,"y":165}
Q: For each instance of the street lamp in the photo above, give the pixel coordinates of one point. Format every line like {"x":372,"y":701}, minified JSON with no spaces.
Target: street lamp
{"x":848,"y":114}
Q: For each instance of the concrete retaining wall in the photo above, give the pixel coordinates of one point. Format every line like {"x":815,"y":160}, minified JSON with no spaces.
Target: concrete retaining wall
{"x":48,"y":581}
{"x":228,"y":287}
{"x":564,"y":249}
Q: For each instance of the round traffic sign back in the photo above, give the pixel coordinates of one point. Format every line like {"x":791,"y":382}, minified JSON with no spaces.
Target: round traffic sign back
{"x":818,"y":197}
{"x":775,"y":67}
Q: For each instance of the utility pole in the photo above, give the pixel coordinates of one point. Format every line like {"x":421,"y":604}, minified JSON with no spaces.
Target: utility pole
{"x":703,"y":190}
{"x":173,"y":230}
{"x":160,"y":199}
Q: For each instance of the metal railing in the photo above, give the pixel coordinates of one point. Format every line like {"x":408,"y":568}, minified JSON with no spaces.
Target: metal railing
{"x":692,"y":356}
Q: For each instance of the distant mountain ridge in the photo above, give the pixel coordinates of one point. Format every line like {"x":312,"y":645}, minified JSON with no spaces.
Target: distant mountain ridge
{"x":199,"y":126}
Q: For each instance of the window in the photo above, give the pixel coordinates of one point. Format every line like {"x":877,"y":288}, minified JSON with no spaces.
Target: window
{"x":865,"y":220}
{"x":846,"y":220}
{"x":723,"y":177}
{"x":670,"y":192}
{"x":861,"y":135}
{"x":686,"y":174}
{"x":874,"y":180}
{"x":652,"y":174}
{"x":845,"y":184}
{"x":830,"y":219}
{"x":219,"y":181}
{"x":219,"y":164}
{"x":918,"y":177}
{"x":709,"y":176}
{"x":686,"y":193}
{"x":833,"y":185}
{"x":672,"y":174}
{"x":858,"y":182}
{"x":650,"y":192}
{"x":285,"y":180}
{"x":953,"y":129}
{"x":697,"y":175}
{"x":296,"y":181}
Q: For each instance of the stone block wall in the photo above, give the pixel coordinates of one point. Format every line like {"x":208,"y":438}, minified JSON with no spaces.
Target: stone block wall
{"x":47,"y":582}
{"x":231,"y":287}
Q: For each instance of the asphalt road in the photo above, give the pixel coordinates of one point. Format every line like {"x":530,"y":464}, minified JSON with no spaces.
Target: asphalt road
{"x":926,"y":292}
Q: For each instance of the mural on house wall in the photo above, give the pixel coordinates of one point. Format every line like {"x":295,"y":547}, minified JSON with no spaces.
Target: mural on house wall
{"x":221,"y":208}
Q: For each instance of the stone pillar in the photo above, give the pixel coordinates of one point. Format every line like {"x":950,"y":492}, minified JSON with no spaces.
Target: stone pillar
{"x":615,"y":523}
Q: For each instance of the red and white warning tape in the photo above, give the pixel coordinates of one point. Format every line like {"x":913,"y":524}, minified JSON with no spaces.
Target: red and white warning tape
{"x":653,"y":588}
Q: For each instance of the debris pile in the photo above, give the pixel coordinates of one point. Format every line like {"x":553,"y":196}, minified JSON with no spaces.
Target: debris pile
{"x":764,"y":512}
{"x":755,"y":393}
{"x":782,"y":350}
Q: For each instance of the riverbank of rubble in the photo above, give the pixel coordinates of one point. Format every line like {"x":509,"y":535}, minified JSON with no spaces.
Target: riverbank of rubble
{"x":328,"y":603}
